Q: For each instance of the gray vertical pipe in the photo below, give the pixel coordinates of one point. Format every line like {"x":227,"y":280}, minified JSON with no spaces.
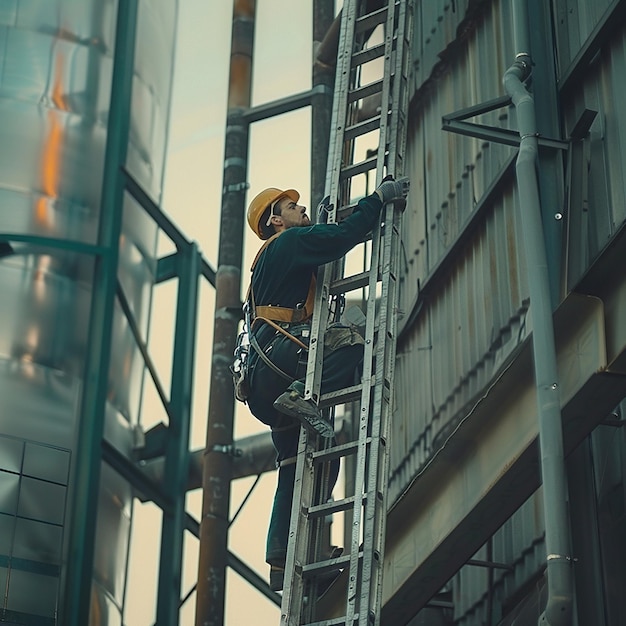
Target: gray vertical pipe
{"x":217,"y":463}
{"x":322,"y":99}
{"x":558,"y":610}
{"x":550,"y":173}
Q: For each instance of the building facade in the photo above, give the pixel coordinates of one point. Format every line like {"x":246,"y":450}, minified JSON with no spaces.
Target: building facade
{"x":466,"y":535}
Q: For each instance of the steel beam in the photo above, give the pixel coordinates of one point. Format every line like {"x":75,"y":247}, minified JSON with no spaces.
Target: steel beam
{"x":284,"y":105}
{"x":167,"y":226}
{"x":87,"y":464}
{"x":177,"y":442}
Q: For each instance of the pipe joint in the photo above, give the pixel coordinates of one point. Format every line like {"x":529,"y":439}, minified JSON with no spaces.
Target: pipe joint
{"x":560,"y":557}
{"x":229,"y":450}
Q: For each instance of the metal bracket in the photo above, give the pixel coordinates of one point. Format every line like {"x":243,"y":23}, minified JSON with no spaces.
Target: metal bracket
{"x":152,"y":443}
{"x":455,"y":122}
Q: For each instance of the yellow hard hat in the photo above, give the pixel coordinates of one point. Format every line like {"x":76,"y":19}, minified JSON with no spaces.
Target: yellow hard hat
{"x":261,"y":203}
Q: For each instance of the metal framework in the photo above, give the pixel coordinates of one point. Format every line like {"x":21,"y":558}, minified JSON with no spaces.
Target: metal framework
{"x":188,"y":267}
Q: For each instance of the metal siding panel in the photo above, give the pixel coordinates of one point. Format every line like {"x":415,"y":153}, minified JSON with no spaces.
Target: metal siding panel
{"x":615,"y":90}
{"x":575,"y":21}
{"x":486,"y":291}
{"x":599,"y":160}
{"x":463,"y":326}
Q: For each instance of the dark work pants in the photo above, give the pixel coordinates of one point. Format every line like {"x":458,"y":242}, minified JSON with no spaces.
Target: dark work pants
{"x":341,"y":369}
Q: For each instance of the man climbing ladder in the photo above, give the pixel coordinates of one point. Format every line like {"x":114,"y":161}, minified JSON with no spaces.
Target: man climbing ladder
{"x":280,"y":308}
{"x":308,"y":560}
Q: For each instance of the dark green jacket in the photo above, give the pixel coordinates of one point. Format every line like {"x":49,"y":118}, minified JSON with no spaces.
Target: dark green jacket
{"x":283,"y":272}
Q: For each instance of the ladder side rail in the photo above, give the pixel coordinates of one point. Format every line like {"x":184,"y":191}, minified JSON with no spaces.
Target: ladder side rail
{"x":338,"y":125}
{"x":293,"y":591}
{"x":376,"y":508}
{"x":297,"y":550}
{"x":363,"y":428}
{"x":384,"y":138}
{"x":400,"y":92}
{"x":358,"y":600}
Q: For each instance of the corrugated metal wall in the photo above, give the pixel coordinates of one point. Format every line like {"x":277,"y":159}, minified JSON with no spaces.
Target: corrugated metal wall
{"x":598,"y":203}
{"x":474,"y":315}
{"x":464,"y":296}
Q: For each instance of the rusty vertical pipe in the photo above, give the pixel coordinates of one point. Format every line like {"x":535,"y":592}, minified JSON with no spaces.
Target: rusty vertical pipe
{"x":217,"y":462}
{"x":322,"y":99}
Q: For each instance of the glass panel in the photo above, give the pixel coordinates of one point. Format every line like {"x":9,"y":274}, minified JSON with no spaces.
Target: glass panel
{"x":45,"y":462}
{"x":4,"y":573}
{"x":108,"y":612}
{"x":41,"y":500}
{"x":112,"y":533}
{"x":10,"y":454}
{"x":9,"y":487}
{"x":7,"y":523}
{"x":8,"y":12}
{"x":38,"y":541}
{"x":21,"y":590}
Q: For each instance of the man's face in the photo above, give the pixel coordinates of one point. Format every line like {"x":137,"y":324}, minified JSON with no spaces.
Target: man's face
{"x":292,"y":214}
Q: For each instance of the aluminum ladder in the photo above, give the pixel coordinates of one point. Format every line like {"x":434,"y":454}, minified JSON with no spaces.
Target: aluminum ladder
{"x":366,"y":508}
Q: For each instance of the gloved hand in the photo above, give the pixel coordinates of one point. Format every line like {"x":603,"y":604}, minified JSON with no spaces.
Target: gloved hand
{"x":390,"y":189}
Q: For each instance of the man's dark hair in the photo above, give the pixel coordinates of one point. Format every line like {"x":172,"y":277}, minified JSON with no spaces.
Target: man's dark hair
{"x":268,"y":231}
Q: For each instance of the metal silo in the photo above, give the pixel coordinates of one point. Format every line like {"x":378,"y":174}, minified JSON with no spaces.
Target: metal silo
{"x":61,"y":118}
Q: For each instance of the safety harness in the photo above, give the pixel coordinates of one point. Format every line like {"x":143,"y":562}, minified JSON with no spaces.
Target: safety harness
{"x":275,"y":315}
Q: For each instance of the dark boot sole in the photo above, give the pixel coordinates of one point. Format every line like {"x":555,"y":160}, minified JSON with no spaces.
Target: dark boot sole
{"x":292,"y":404}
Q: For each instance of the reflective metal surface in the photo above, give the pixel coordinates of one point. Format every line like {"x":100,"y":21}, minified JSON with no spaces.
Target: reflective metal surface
{"x":55,"y":93}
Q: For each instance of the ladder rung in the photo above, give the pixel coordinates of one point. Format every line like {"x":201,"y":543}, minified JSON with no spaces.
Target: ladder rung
{"x":320,"y":567}
{"x":336,"y":452}
{"x":366,"y":90}
{"x":333,"y":506}
{"x":358,"y":168}
{"x":371,"y":20}
{"x":341,"y":396}
{"x":345,"y":211}
{"x":367,"y":55}
{"x":335,"y":621}
{"x":362,"y":128}
{"x":349,"y":283}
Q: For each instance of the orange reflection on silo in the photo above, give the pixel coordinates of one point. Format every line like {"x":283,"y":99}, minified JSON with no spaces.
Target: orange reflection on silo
{"x":51,"y":155}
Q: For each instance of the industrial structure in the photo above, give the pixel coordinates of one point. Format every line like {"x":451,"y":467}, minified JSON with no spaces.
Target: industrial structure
{"x":506,"y":492}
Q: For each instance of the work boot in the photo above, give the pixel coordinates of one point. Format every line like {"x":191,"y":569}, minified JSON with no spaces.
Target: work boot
{"x":292,"y":403}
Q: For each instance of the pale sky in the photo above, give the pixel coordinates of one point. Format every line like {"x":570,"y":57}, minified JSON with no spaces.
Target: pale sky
{"x":279,"y":156}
